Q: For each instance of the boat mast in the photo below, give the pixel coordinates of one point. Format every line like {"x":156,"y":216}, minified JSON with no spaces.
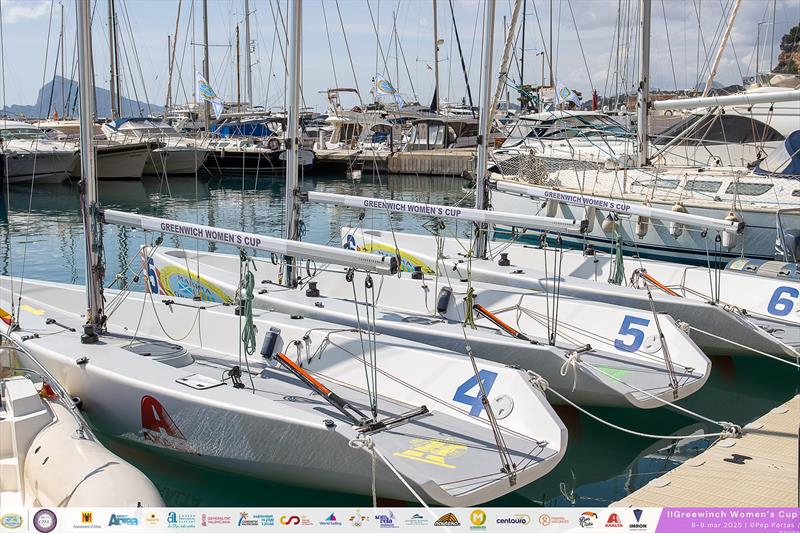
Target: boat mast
{"x":292,"y":227}
{"x":435,"y":59}
{"x":238,"y":75}
{"x":723,"y":42}
{"x":95,"y":318}
{"x":206,"y":103}
{"x":61,"y":39}
{"x":171,"y":59}
{"x":116,"y":110}
{"x":644,"y":81}
{"x":248,"y":65}
{"x":522,"y":58}
{"x":550,"y":50}
{"x":484,"y":127}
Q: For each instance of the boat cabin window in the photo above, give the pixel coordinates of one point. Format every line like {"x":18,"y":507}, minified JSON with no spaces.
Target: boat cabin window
{"x":727,"y":128}
{"x":660,"y":183}
{"x":749,"y":189}
{"x":703,"y":185}
{"x":350,"y":131}
{"x":796,"y":193}
{"x":12,"y":133}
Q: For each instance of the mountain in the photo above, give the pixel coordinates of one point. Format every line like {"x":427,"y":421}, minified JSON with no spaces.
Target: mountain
{"x":50,"y":97}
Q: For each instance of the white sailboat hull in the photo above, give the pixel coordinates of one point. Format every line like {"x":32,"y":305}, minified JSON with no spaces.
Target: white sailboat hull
{"x":757,"y":241}
{"x":405,"y":310}
{"x":713,"y":327}
{"x":39,"y":167}
{"x":274,"y":428}
{"x":171,"y":161}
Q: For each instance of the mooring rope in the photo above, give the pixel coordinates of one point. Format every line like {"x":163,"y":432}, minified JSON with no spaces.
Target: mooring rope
{"x":731,"y":430}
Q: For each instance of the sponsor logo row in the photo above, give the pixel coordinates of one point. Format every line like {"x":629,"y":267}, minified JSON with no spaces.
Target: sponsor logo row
{"x":489,"y":519}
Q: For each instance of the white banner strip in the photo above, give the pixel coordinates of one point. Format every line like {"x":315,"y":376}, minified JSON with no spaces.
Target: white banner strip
{"x":324,"y":254}
{"x":621,"y":206}
{"x":442,"y":211}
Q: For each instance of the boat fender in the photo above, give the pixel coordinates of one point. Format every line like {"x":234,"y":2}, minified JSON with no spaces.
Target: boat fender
{"x":552,"y":208}
{"x":589,"y":215}
{"x":504,"y":262}
{"x":642,"y":226}
{"x":610,"y":224}
{"x":676,"y":228}
{"x":729,"y":238}
{"x":443,"y":300}
{"x":269,"y":343}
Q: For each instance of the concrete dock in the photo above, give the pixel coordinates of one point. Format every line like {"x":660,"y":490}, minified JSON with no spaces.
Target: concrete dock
{"x":760,"y":469}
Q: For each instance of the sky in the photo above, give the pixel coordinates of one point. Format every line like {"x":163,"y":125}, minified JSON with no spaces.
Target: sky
{"x":584,"y":44}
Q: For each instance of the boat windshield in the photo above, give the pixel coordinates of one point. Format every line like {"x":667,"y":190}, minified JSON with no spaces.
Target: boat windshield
{"x":567,"y":127}
{"x":149,"y":127}
{"x":15,"y":133}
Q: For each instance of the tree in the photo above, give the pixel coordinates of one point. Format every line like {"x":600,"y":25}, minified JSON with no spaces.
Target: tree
{"x":789,"y":56}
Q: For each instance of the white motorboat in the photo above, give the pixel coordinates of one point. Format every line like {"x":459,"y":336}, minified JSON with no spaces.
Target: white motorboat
{"x":29,"y":156}
{"x":729,"y":136}
{"x":176,"y":155}
{"x":115,"y":160}
{"x":48,"y":455}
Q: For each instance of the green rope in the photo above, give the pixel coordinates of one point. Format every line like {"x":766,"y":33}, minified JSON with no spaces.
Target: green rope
{"x":246,"y":299}
{"x":469,"y":300}
{"x":618,"y":275}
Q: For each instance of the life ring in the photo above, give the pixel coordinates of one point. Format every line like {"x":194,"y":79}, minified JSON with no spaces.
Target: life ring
{"x":273,"y":144}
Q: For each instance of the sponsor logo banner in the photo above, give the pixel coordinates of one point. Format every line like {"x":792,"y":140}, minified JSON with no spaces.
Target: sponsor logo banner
{"x":476,"y":519}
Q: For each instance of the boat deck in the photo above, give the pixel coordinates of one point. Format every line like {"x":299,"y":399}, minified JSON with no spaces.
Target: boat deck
{"x":760,"y":469}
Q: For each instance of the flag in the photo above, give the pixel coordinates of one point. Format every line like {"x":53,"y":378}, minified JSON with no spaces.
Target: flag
{"x":204,"y":92}
{"x":384,"y":86}
{"x":565,"y":94}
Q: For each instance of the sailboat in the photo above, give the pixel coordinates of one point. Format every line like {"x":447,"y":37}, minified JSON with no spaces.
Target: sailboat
{"x":316,"y":405}
{"x":586,"y":364}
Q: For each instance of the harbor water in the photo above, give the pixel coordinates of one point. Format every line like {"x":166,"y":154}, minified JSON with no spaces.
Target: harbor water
{"x":41,"y":237}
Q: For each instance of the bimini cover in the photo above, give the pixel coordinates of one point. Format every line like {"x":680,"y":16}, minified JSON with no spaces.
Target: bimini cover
{"x":239,"y":129}
{"x":784,"y":160}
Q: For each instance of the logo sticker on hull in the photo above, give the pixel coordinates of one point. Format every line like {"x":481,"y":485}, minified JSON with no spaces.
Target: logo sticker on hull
{"x":159,"y":428}
{"x":433,"y":452}
{"x":177,"y":281}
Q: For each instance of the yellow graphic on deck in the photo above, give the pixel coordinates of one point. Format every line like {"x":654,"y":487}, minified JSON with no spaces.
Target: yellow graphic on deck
{"x":434,"y":452}
{"x":32,"y":310}
{"x":407,"y":261}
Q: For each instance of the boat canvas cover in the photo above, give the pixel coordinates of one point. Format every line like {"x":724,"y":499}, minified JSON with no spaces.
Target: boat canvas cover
{"x":783,"y":161}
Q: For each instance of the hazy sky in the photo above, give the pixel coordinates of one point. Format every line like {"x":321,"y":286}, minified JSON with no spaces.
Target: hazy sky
{"x":677,"y":44}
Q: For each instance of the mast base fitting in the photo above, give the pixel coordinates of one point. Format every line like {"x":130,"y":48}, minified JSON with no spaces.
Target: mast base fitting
{"x":89,"y":334}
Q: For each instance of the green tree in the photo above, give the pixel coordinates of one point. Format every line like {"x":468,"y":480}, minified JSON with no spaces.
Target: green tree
{"x":790,"y":52}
